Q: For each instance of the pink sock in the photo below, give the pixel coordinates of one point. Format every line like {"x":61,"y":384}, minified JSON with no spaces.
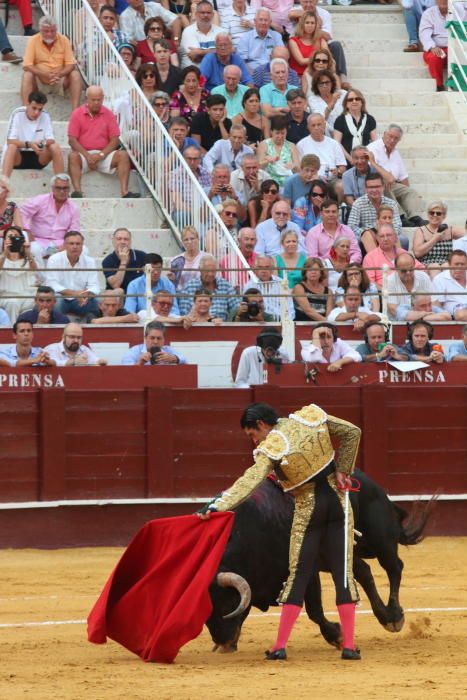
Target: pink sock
{"x":347,"y":618}
{"x":289,"y":614}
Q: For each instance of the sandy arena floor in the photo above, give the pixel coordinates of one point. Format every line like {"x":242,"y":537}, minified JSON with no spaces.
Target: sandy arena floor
{"x":55,"y":661}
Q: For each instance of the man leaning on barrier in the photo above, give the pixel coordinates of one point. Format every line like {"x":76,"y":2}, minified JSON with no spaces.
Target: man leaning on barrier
{"x":70,"y":351}
{"x":23,"y":353}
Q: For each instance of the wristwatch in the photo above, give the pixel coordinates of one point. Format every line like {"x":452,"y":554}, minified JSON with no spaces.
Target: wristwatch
{"x":102,"y":154}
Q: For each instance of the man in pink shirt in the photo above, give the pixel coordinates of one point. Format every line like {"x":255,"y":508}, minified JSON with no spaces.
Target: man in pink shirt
{"x":320,"y":238}
{"x":49,"y":216}
{"x":385,"y":254}
{"x":93,"y":135}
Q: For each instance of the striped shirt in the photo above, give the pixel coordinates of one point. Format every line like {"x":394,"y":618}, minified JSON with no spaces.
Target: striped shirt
{"x":224,"y":299}
{"x":363,"y":215}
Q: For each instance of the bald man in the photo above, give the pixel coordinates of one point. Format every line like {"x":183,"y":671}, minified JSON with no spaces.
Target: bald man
{"x":93,"y":135}
{"x":70,"y":351}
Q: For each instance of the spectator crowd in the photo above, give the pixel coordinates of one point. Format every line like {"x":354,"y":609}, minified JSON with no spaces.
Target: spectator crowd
{"x":315,"y":196}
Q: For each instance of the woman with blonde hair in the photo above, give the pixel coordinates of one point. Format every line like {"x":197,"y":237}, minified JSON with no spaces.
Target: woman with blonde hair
{"x":307,"y":40}
{"x":433,"y":242}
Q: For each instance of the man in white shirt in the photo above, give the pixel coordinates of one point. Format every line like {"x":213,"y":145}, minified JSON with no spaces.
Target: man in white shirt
{"x":402,"y":284}
{"x":434,"y":40}
{"x":199,"y":38}
{"x":329,"y":152}
{"x":77,"y":284}
{"x":30,"y":141}
{"x":388,"y":157}
{"x":451,"y":285}
{"x":271,"y":287}
{"x":253,"y":360}
{"x":132,"y":19}
{"x":70,"y":351}
{"x":229,"y":151}
{"x":353,"y":311}
{"x":327,"y":348}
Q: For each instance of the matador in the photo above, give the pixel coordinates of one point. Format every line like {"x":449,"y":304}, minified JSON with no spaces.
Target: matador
{"x":299,"y":451}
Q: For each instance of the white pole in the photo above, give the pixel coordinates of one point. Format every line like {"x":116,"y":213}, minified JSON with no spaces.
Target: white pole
{"x":288,"y":326}
{"x":147,"y":274}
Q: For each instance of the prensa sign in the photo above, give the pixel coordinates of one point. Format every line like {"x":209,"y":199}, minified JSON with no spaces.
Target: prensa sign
{"x":416,"y":376}
{"x":31,"y":380}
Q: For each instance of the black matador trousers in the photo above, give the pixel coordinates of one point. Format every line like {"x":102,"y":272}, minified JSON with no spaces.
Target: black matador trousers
{"x":318,"y":525}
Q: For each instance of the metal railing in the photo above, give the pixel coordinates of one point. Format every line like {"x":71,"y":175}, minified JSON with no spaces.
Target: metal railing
{"x":159,"y":162}
{"x":457,"y":47}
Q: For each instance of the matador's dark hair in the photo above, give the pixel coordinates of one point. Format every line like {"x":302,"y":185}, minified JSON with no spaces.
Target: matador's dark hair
{"x":258,"y":411}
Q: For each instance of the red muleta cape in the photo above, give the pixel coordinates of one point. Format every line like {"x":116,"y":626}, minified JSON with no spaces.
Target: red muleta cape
{"x":156,"y":599}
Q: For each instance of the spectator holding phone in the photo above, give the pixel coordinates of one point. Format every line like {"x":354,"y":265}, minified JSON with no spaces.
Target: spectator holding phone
{"x":153,"y":351}
{"x":377,"y":347}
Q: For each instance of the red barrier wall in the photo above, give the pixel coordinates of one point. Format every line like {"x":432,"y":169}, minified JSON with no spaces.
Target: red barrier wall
{"x":158,"y":442}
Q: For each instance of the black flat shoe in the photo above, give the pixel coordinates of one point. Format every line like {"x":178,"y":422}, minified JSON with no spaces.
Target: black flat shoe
{"x":277,"y":655}
{"x":351,"y":654}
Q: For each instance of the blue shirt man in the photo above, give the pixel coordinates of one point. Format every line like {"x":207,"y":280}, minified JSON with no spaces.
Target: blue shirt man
{"x":255,"y":49}
{"x":153,"y":351}
{"x":213,"y":68}
{"x":22,"y":353}
{"x":133,"y":304}
{"x":458,"y":351}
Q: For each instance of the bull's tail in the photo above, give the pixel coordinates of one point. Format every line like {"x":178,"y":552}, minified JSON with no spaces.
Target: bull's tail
{"x":412,"y":531}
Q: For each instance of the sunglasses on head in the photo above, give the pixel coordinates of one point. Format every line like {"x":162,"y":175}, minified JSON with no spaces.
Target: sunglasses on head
{"x":436,"y":213}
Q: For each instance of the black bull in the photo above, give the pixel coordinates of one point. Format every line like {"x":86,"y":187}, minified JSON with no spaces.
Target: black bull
{"x":258,"y":552}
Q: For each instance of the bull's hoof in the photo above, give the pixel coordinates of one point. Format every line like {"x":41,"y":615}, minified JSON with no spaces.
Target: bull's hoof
{"x":351,"y":654}
{"x":277,"y":655}
{"x":331,"y":632}
{"x":395,"y":626}
{"x":225,"y":648}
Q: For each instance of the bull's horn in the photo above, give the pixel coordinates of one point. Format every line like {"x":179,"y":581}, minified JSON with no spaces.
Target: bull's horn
{"x":228,"y":579}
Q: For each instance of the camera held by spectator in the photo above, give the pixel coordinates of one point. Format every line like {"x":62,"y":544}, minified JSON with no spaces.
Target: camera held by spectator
{"x":251,"y":308}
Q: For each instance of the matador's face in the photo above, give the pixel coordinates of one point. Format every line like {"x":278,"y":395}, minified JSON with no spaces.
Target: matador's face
{"x":259,"y":433}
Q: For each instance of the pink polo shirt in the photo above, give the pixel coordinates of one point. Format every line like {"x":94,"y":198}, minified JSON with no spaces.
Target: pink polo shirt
{"x":93,"y":131}
{"x":376,"y":258}
{"x":48,"y":226}
{"x":318,"y":243}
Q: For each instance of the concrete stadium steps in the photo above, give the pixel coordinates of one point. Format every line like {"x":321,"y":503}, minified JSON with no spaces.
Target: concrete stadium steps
{"x":94,"y":185}
{"x":102,"y":209}
{"x":408,"y":114}
{"x":359,"y":59}
{"x":424,"y":100}
{"x":398,"y":88}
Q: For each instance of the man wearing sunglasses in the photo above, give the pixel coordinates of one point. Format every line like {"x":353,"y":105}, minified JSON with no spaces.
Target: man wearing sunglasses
{"x":269,"y":231}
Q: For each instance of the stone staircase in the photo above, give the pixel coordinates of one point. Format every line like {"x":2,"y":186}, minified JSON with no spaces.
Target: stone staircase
{"x":398,"y":88}
{"x":102,"y":209}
